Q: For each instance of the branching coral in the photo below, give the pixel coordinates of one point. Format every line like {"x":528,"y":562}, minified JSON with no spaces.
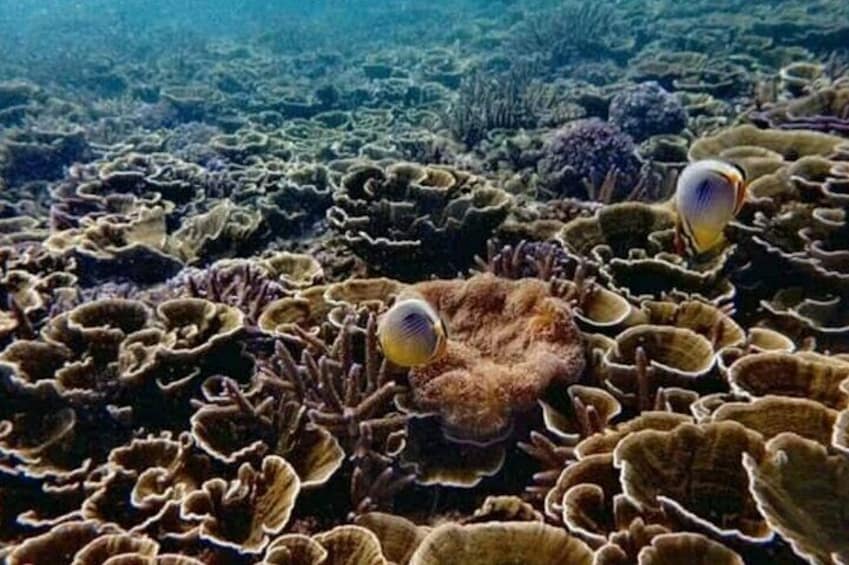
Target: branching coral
{"x":568,"y":33}
{"x":484,"y":104}
{"x":513,"y":101}
{"x":340,"y":392}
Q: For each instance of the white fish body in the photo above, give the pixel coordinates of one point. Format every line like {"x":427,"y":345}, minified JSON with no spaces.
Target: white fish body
{"x":411,"y":333}
{"x":708,"y":195}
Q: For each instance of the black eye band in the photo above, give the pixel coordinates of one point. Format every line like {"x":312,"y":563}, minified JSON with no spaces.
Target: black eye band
{"x":740,"y":169}
{"x":689,"y":240}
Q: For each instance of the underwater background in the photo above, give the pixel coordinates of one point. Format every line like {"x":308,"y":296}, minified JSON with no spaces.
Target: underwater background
{"x":350,"y":282}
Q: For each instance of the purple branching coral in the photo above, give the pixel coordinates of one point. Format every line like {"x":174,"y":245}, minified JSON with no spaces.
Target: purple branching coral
{"x":647,"y":109}
{"x":239,"y":283}
{"x":579,"y":158}
{"x":545,"y":260}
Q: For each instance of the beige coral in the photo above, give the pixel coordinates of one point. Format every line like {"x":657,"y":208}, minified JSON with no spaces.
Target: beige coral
{"x":695,"y":549}
{"x":531,"y":543}
{"x":803,"y":492}
{"x":697,"y":468}
{"x":243,"y":514}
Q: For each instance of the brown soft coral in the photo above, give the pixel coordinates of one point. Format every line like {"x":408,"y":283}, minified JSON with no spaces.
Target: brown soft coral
{"x":508,"y":341}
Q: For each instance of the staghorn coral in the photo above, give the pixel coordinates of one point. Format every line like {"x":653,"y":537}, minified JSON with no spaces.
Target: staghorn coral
{"x":565,"y":34}
{"x":485,"y":103}
{"x":509,"y":340}
{"x":377,"y":477}
{"x":343,"y":393}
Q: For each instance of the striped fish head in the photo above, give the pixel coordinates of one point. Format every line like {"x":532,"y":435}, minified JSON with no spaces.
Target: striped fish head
{"x":411,"y":333}
{"x":708,"y":195}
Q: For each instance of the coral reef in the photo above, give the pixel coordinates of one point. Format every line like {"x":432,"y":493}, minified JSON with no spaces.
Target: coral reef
{"x":204,"y":213}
